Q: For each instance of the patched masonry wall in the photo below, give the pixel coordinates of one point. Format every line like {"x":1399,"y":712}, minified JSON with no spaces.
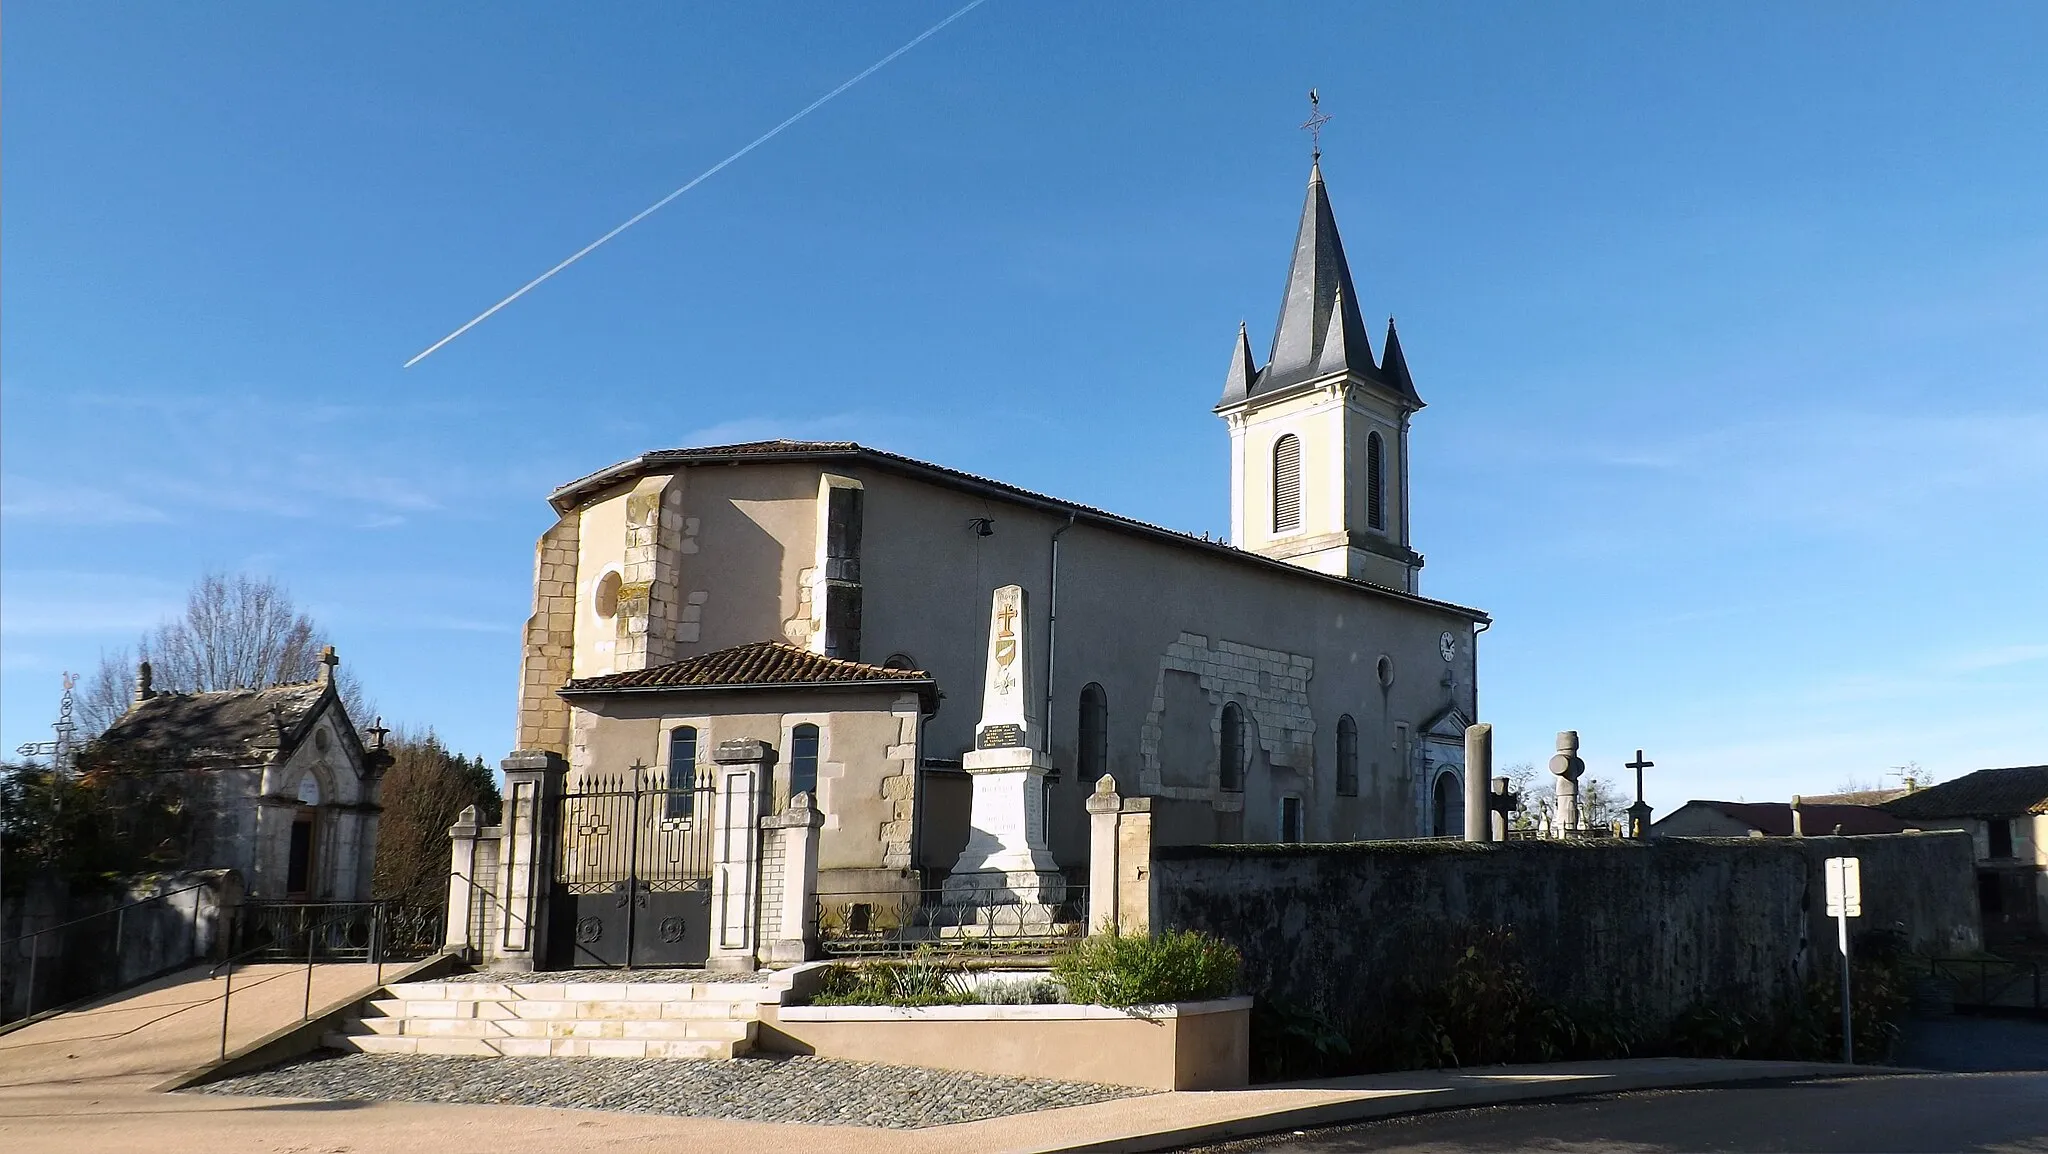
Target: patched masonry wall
{"x":1270,"y":684}
{"x":1644,"y":928}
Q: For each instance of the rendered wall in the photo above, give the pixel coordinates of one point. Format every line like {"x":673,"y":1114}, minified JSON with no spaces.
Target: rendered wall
{"x":1643,"y":928}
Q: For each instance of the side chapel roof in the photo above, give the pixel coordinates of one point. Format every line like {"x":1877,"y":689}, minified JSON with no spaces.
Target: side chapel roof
{"x":593,"y":485}
{"x":237,"y":726}
{"x":759,"y":665}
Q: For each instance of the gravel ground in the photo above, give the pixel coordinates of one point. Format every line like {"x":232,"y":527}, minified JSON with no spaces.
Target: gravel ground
{"x":822,"y":1091}
{"x":561,"y":977}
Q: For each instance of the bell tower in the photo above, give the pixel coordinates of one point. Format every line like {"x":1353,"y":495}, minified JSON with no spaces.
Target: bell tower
{"x":1319,"y":435}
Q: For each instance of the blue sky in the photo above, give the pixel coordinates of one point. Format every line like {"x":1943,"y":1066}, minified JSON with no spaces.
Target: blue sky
{"x":1732,"y":320}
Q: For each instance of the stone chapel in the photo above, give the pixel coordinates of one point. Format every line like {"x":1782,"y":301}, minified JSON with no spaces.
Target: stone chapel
{"x":833,"y":602}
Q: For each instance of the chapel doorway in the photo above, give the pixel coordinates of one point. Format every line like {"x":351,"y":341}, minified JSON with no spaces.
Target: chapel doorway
{"x":298,"y":869}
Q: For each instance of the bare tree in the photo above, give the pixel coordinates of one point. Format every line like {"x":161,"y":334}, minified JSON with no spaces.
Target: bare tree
{"x":425,"y":790}
{"x":102,"y":698}
{"x":237,"y":632}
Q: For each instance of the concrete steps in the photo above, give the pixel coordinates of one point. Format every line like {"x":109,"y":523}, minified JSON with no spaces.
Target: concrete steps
{"x":623,"y":1019}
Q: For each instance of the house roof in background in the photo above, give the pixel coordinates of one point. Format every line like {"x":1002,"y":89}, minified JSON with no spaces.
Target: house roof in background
{"x":1855,"y":797}
{"x":1986,"y":793}
{"x":1774,"y":818}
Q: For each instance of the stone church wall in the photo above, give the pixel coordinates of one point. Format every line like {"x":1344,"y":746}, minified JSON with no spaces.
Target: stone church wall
{"x":1643,"y":928}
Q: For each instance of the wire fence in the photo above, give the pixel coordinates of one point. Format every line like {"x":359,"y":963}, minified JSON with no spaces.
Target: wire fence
{"x":1990,"y":983}
{"x":952,"y":918}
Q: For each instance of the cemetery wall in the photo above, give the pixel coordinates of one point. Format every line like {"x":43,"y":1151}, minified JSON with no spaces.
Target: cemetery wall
{"x":1644,"y":929}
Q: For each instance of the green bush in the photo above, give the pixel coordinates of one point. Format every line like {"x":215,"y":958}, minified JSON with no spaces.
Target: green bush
{"x":1182,"y":966}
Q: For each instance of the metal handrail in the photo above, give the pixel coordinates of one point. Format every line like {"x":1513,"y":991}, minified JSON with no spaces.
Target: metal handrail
{"x":103,"y":913}
{"x":376,"y":957}
{"x":35,"y":936}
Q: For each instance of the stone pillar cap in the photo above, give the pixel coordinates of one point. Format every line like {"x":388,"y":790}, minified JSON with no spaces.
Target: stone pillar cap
{"x":532,"y":760}
{"x":741,"y":751}
{"x":1104,"y":799}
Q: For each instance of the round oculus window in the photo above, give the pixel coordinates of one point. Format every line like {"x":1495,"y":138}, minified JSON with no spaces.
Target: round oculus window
{"x":1385,"y":669}
{"x":606,"y":597}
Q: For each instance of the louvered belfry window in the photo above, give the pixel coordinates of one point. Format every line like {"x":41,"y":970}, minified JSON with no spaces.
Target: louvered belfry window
{"x":1376,"y":481}
{"x":1287,"y":484}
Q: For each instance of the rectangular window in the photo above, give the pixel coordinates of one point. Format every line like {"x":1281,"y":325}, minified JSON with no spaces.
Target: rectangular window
{"x":1290,"y":819}
{"x":682,"y":773}
{"x":2001,"y":837}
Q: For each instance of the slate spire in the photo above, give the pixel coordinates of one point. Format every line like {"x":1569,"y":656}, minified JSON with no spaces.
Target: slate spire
{"x":1320,"y":308}
{"x":1394,"y":367}
{"x":1238,"y":385}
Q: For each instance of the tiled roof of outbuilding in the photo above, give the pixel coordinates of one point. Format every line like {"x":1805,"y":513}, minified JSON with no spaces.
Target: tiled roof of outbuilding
{"x":1986,"y":793}
{"x":240,"y":725}
{"x":761,"y":665}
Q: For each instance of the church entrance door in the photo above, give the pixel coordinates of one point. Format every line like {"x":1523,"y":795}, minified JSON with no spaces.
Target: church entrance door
{"x":632,"y":884}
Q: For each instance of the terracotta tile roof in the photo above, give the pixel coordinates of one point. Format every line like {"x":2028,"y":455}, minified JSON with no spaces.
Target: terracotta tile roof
{"x":761,"y":665}
{"x":568,"y":496}
{"x":1985,"y":793}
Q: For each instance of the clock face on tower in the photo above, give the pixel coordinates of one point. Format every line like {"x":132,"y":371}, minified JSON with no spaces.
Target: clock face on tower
{"x":1447,"y":645}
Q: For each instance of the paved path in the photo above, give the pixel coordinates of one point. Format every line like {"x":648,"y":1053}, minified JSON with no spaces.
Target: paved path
{"x":760,"y":1089}
{"x":82,"y":1082}
{"x":165,"y":1027}
{"x":1930,"y":1112}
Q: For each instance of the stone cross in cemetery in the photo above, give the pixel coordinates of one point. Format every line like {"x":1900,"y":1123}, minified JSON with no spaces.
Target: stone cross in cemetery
{"x":1568,"y":767}
{"x":1006,"y":859}
{"x":1639,"y":813}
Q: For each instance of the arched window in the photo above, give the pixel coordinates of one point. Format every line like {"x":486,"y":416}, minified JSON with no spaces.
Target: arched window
{"x":803,"y":762}
{"x":1094,"y":730}
{"x":1347,"y":756}
{"x":1286,"y":484}
{"x":1233,"y":746}
{"x":682,"y":772}
{"x":1375,"y":481}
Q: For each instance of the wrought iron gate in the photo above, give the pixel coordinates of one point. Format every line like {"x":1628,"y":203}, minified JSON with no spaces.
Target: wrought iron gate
{"x":632,"y":873}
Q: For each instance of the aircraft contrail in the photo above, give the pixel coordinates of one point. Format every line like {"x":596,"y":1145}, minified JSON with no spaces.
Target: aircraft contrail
{"x":707,"y":174}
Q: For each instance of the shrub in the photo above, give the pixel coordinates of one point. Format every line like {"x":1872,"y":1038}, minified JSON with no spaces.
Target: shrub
{"x":1019,"y":992}
{"x":1182,"y":966}
{"x":922,"y":980}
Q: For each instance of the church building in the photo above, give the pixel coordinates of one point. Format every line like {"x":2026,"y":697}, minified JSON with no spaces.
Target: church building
{"x":833,"y":601}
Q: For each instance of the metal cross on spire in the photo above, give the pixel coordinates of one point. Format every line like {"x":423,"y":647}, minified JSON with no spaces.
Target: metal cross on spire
{"x":1314,"y":126}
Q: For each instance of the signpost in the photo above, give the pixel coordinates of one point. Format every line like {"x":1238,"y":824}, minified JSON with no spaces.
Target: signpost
{"x":1845,"y":901}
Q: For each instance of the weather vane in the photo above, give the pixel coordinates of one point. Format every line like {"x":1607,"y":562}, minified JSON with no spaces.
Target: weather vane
{"x":1314,"y":126}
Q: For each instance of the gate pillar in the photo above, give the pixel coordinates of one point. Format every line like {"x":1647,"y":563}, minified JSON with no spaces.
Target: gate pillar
{"x":743,"y":775}
{"x":533,"y":790}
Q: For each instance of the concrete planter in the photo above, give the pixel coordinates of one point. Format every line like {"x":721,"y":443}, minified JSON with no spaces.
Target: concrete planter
{"x":1182,"y":1046}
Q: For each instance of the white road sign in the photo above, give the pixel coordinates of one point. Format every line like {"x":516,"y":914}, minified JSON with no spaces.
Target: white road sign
{"x":1845,"y":887}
